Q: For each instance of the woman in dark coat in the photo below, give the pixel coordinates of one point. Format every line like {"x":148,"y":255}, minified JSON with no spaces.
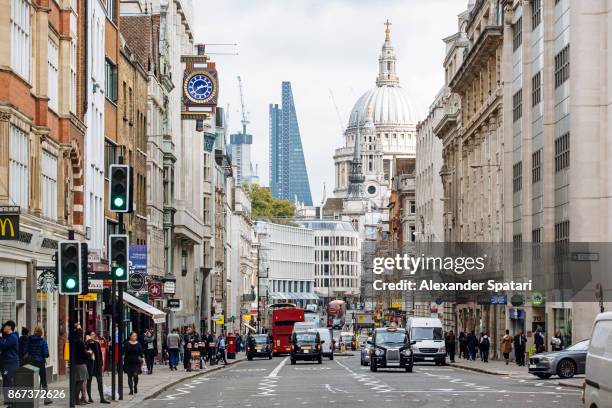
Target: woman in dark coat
{"x":132,"y":361}
{"x":95,"y":366}
{"x":82,"y":355}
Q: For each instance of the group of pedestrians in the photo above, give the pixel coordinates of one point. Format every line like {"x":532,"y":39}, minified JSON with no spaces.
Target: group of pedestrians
{"x":212,"y":349}
{"x":470,"y":346}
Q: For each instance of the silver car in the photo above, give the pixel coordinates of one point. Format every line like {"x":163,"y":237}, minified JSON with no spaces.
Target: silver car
{"x":565,"y":363}
{"x":365,"y":352}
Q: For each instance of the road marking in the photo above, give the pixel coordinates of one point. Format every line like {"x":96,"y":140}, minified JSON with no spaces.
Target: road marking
{"x":275,"y":372}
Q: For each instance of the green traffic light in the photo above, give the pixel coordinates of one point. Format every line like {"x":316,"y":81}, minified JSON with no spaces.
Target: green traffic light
{"x":70,"y":283}
{"x":119,"y":272}
{"x":118,"y":202}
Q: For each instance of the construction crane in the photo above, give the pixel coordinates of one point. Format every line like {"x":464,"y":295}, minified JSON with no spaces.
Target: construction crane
{"x":331,"y":96}
{"x":245,"y":114}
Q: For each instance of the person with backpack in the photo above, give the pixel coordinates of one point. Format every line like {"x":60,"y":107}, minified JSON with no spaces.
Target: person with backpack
{"x":485,"y":345}
{"x":35,"y":352}
{"x":506,"y":346}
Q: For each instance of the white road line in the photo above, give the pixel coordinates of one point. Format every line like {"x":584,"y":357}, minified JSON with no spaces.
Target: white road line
{"x":276,"y":370}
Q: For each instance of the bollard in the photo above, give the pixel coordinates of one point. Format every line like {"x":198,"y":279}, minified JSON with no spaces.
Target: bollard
{"x":26,"y":378}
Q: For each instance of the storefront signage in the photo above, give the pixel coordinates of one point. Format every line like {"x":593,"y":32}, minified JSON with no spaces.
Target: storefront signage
{"x":220,"y":319}
{"x":499,"y":299}
{"x":138,"y":258}
{"x":9,"y":223}
{"x":47,"y":280}
{"x":169,"y":287}
{"x":585,"y":256}
{"x":96,"y":284}
{"x":90,"y":297}
{"x":136,"y":282}
{"x":174,"y":304}
{"x":537,"y":299}
{"x":155,"y":290}
{"x":517,"y":314}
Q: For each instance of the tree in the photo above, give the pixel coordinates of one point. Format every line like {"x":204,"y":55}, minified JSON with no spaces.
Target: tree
{"x":263,"y":205}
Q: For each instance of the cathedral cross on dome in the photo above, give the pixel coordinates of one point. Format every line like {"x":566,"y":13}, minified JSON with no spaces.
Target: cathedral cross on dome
{"x":388,"y":30}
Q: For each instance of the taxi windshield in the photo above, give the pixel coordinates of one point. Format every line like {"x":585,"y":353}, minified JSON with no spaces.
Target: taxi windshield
{"x":261,"y":339}
{"x":305,"y":337}
{"x":390,"y":337}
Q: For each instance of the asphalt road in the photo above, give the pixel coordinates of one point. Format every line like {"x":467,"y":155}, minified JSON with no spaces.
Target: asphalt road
{"x":344,"y":383}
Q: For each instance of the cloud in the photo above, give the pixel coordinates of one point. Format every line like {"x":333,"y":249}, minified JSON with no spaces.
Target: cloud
{"x":320,"y":45}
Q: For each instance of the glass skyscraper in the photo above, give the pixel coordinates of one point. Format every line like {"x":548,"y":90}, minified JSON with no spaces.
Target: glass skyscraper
{"x":288,"y":175}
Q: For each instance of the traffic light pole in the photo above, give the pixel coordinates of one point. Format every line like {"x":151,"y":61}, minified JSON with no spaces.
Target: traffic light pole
{"x":113,"y":341}
{"x":120,"y":321}
{"x":71,"y":334}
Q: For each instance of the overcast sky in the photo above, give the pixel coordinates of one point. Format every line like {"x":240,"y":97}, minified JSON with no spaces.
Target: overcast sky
{"x":320,"y":45}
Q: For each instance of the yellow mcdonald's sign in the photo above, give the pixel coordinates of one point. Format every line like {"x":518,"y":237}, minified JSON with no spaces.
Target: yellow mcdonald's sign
{"x":9,"y":223}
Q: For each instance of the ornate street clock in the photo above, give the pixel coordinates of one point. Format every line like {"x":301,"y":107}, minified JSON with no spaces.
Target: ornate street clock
{"x":200,"y":87}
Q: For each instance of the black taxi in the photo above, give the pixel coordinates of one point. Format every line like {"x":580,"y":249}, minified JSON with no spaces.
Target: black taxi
{"x":306,"y":345}
{"x":258,"y":345}
{"x":390,"y":348}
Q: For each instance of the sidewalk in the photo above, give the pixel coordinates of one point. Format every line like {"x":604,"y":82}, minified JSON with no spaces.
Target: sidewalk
{"x":149,"y":386}
{"x":499,"y":367}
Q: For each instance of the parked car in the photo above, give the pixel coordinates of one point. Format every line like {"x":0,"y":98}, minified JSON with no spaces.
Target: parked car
{"x":597,"y":388}
{"x":565,"y":363}
{"x":365,"y":352}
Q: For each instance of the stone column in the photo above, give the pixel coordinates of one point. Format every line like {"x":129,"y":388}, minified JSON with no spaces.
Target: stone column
{"x":5,"y":118}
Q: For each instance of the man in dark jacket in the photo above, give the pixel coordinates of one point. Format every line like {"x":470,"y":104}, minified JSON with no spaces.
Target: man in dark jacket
{"x":520,"y":342}
{"x":9,"y":355}
{"x":471,"y":345}
{"x":95,"y":366}
{"x":22,"y":342}
{"x":462,"y":352}
{"x":37,"y":348}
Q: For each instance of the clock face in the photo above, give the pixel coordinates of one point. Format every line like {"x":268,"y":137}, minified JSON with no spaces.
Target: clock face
{"x":200,"y":87}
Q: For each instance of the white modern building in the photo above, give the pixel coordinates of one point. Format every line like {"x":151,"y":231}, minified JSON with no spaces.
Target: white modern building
{"x":287,"y":263}
{"x":337,"y":259}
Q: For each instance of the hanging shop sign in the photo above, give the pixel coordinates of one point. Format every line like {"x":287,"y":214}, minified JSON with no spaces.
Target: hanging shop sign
{"x":537,"y":299}
{"x":174,"y":304}
{"x":155,"y":290}
{"x":136,"y":282}
{"x":169,"y":287}
{"x":9,"y":223}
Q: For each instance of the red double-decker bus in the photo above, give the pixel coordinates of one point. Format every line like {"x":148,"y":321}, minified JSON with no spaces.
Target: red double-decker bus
{"x":284,"y":316}
{"x":336,"y":314}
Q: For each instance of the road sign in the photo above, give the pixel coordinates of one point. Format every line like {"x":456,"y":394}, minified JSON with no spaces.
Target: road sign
{"x":9,"y":223}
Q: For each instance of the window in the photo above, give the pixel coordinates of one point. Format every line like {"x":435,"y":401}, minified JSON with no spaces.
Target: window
{"x":562,"y":66}
{"x":73,"y":75}
{"x":53,"y":70}
{"x":19,"y":176}
{"x":536,"y":166}
{"x":387,"y":168}
{"x":111,"y":83}
{"x":49,"y":185}
{"x":20,"y":38}
{"x":562,"y":232}
{"x":110,"y":10}
{"x":517,"y":177}
{"x":412,"y":207}
{"x":517,"y":248}
{"x":536,"y":240}
{"x":536,"y":89}
{"x":517,"y":105}
{"x":110,"y":156}
{"x":536,"y":17}
{"x":517,"y":34}
{"x":562,"y":152}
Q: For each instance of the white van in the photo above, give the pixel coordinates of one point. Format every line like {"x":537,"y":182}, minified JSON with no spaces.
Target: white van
{"x":427,"y":338}
{"x":328,"y":344}
{"x":597,"y":392}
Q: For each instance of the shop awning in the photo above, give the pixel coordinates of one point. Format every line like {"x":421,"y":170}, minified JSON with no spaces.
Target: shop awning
{"x":134,"y":303}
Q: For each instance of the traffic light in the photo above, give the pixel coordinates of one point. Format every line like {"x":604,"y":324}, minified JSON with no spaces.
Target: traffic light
{"x":69,"y":261}
{"x":84,"y":273}
{"x":118,"y":257}
{"x":120,"y":193}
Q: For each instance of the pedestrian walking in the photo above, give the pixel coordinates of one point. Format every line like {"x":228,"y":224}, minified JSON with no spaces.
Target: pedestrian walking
{"x":150,"y":349}
{"x":95,"y":366}
{"x":9,"y":355}
{"x":238,"y":343}
{"x":506,"y":346}
{"x":22,"y":342}
{"x":202,"y":348}
{"x":189,"y":339}
{"x":132,"y":361}
{"x":212,"y":348}
{"x":520,"y":342}
{"x":221,"y":348}
{"x":471,"y":345}
{"x":485,"y":345}
{"x":462,"y":353}
{"x":538,"y":339}
{"x":557,"y":342}
{"x":173,"y":342}
{"x":450,"y":345}
{"x":36,"y":350}
{"x":82,"y":356}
